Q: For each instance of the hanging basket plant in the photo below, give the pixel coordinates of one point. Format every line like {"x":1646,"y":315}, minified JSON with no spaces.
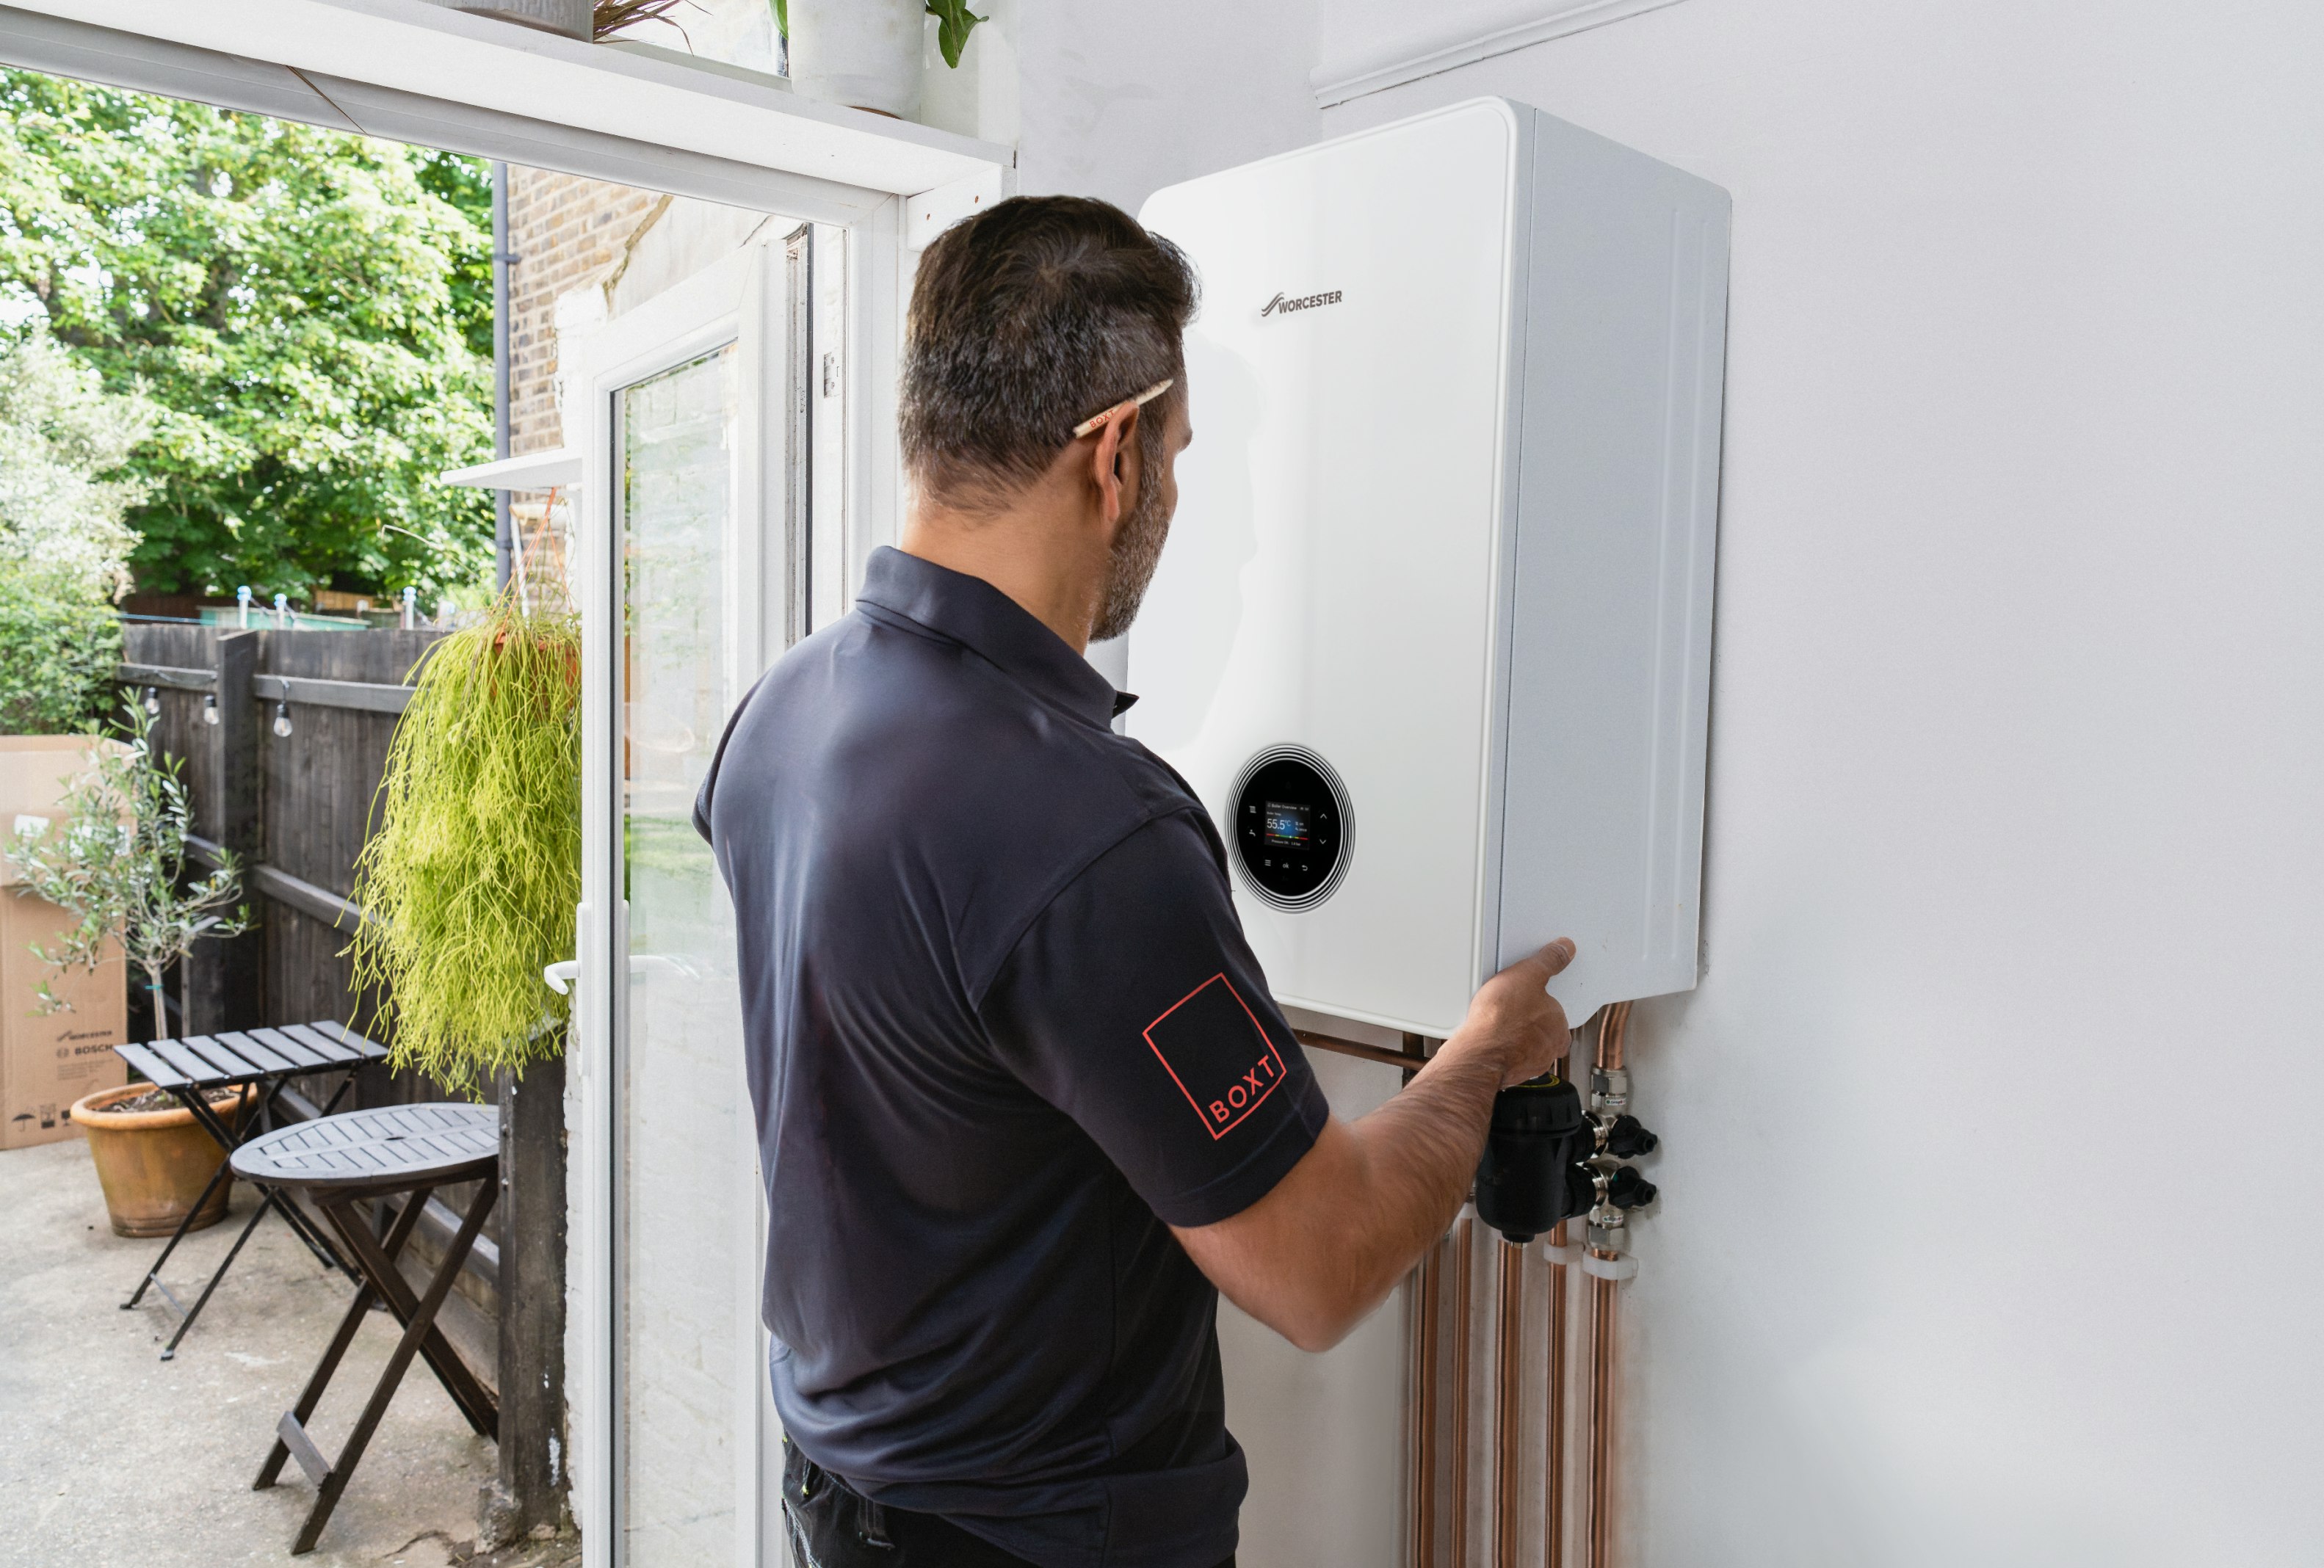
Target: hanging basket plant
{"x":473,"y":871}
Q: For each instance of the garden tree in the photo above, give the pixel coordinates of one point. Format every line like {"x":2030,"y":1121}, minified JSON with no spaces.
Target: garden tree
{"x":63,"y":546}
{"x":310,"y":312}
{"x":63,"y":439}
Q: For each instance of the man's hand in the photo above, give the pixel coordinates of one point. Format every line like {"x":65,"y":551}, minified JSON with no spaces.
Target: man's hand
{"x":1312,"y":1258}
{"x":1513,"y":1018}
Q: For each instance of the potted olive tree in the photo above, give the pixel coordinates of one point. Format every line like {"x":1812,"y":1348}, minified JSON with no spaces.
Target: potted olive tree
{"x":115,"y":864}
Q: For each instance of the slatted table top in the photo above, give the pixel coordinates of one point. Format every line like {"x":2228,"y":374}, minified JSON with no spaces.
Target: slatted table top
{"x":249,"y":1056}
{"x":389,"y":1149}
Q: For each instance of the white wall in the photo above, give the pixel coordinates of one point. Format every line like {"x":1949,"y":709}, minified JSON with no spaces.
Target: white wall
{"x":1993,"y":1173}
{"x":1118,"y":99}
{"x":1121,"y":97}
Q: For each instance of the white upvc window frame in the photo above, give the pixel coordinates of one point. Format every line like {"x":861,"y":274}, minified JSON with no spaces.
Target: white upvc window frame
{"x":408,"y":70}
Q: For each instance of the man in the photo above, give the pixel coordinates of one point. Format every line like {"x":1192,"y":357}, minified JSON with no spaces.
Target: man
{"x":982,"y":940}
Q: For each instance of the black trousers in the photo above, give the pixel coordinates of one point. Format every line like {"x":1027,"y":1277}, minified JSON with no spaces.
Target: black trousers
{"x":831,"y":1526}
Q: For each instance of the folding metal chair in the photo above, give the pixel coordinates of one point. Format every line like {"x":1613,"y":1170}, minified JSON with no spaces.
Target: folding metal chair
{"x":195,"y":1068}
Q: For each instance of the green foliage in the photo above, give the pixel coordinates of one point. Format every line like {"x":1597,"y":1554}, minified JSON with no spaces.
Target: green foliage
{"x":955,"y":22}
{"x":608,"y":17}
{"x":57,"y":656}
{"x":117,"y":864}
{"x":474,"y":869}
{"x":63,"y":546}
{"x":63,"y":441}
{"x":309,"y":311}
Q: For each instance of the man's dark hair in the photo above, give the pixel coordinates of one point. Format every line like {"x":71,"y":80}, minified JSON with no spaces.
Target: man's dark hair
{"x":1026,"y":319}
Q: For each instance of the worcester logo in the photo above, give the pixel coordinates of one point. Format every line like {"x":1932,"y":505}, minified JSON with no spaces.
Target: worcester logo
{"x":1280,"y":306}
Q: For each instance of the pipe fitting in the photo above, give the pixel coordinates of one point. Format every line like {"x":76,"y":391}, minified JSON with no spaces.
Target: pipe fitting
{"x":1617,"y":1266}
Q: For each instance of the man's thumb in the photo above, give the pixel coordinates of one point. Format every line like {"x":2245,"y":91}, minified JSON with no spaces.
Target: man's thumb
{"x":1553,"y":958}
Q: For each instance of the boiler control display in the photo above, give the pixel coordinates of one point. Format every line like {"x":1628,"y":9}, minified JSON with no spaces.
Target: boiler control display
{"x":1290,"y":830}
{"x":1284,"y":825}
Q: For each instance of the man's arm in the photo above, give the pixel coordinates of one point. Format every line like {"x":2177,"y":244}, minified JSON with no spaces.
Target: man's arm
{"x":1326,"y":1245}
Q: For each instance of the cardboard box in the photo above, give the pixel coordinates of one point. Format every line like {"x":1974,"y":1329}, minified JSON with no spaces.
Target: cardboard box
{"x":48,"y":1061}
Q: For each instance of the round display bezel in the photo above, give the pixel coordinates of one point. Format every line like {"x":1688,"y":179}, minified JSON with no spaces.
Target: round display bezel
{"x":1244,"y":832}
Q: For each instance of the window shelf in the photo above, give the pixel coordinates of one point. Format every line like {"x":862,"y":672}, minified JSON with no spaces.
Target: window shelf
{"x":650,"y":97}
{"x":559,"y":469}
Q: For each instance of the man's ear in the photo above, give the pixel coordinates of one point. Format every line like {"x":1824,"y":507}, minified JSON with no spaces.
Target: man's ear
{"x":1114,"y":465}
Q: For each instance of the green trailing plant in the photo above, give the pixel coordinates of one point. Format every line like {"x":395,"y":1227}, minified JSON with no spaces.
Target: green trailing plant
{"x":472,"y":873}
{"x":117,"y":864}
{"x":955,"y":22}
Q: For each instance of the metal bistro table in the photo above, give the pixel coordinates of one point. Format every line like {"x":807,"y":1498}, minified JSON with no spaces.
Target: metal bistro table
{"x":193,"y":1069}
{"x":342,"y":1162}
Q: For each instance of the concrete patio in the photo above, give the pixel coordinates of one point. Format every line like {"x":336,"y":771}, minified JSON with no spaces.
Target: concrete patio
{"x":109,"y":1455}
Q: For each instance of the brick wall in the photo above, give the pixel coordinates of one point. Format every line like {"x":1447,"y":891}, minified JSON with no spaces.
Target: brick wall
{"x":567,"y":233}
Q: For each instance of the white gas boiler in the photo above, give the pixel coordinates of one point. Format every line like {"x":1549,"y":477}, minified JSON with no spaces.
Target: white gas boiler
{"x":1432,"y":636}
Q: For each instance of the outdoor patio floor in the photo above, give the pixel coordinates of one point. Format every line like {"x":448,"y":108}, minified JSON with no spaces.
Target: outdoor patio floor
{"x":109,"y":1455}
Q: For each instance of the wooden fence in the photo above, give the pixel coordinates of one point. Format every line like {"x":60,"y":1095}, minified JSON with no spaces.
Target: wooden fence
{"x":295,"y":809}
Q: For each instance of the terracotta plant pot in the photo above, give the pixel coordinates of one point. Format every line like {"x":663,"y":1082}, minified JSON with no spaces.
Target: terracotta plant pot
{"x":153,"y":1164}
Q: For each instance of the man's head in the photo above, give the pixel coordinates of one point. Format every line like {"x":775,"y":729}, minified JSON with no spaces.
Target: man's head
{"x":1026,"y":321}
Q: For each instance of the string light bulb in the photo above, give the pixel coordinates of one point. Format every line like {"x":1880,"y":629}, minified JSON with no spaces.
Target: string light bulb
{"x":153,"y":701}
{"x":210,"y":708}
{"x":282,"y":718}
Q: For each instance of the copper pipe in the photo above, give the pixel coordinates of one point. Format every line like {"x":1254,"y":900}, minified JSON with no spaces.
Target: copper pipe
{"x":1429,"y":1284}
{"x":1611,"y":1032}
{"x":1602,"y":1415}
{"x":1553,"y":1521}
{"x":1410,"y":1061}
{"x":1508,"y":1411}
{"x":1464,"y":1258}
{"x":1423,"y":1447}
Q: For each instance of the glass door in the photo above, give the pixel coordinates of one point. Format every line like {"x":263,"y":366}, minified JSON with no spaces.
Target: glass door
{"x":683,"y":1174}
{"x":699,"y":492}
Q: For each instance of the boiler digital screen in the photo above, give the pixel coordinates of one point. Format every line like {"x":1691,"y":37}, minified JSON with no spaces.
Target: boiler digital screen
{"x":1287,"y":825}
{"x":1287,"y":828}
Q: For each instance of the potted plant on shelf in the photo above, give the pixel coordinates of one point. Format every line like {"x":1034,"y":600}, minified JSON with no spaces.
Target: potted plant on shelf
{"x":569,"y":17}
{"x":867,"y":53}
{"x":116,"y":866}
{"x":473,"y":874}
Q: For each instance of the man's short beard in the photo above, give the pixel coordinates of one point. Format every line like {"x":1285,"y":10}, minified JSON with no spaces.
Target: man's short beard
{"x":1136,"y":551}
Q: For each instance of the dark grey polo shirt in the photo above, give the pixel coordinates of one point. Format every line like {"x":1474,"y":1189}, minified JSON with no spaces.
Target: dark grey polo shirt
{"x":1003,"y":1030}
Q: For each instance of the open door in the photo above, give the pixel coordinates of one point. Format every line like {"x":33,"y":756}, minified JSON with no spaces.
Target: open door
{"x":698,"y":538}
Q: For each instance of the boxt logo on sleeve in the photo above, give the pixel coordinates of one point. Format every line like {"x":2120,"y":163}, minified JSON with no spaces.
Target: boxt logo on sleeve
{"x":1214,"y":1049}
{"x":1280,"y":305}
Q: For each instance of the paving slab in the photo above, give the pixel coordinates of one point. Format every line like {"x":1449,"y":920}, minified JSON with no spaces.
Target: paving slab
{"x":109,"y":1455}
